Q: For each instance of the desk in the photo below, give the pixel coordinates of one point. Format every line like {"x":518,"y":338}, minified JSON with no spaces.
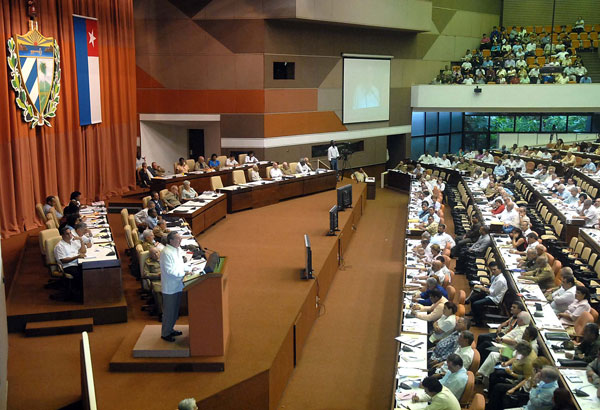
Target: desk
{"x":202,"y":212}
{"x":576,"y":379}
{"x":398,"y":179}
{"x":371,"y":187}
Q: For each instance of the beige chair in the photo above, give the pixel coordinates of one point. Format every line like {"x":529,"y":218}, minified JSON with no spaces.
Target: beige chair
{"x":142,"y":256}
{"x":50,"y":224}
{"x":242,"y":158}
{"x":58,"y":205}
{"x":216,"y":183}
{"x":175,"y":166}
{"x":249,"y":174}
{"x":47,"y":234}
{"x":125,"y":217}
{"x":293,"y":166}
{"x":136,"y":237}
{"x":52,"y":216}
{"x":39,"y":209}
{"x":238,"y":177}
{"x":222,"y":159}
{"x":145,"y":201}
{"x":268,"y":171}
{"x":129,"y":237}
{"x":162,"y":194}
{"x":49,"y":245}
{"x":191,"y":164}
{"x":132,"y":223}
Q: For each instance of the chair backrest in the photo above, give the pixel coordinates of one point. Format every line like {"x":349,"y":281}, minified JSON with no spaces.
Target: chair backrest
{"x":49,"y":245}
{"x":293,"y":166}
{"x":579,"y":248}
{"x":50,"y":224}
{"x":451,"y":292}
{"x":478,"y":402}
{"x":268,"y":171}
{"x":175,"y":166}
{"x":242,"y":158}
{"x":162,"y":193}
{"x":467,"y":395}
{"x":132,"y":224}
{"x":460,"y":310}
{"x":461,"y":296}
{"x":249,"y":173}
{"x":142,"y":256}
{"x":584,"y":319}
{"x":238,"y":177}
{"x":216,"y":183}
{"x":593,"y":258}
{"x":124,"y":217}
{"x":145,"y":201}
{"x":222,"y":159}
{"x":585,"y":254}
{"x":46,"y":234}
{"x":573,"y":242}
{"x":39,"y":209}
{"x":191,"y":164}
{"x":594,"y":313}
{"x":136,"y":236}
{"x":475,"y":363}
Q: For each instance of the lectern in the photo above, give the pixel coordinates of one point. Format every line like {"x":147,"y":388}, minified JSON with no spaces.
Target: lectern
{"x":208,"y":312}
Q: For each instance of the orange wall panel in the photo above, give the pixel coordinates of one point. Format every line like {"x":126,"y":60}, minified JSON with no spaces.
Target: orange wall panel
{"x":200,"y":101}
{"x":277,"y":125}
{"x":145,"y":80}
{"x":291,"y":100}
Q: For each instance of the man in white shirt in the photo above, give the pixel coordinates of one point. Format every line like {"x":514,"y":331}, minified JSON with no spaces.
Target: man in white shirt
{"x":231,"y":162}
{"x":442,"y":238}
{"x":275,"y":172}
{"x":332,"y":155}
{"x":172,"y":268}
{"x":141,"y":216}
{"x":436,"y":159}
{"x":510,"y":218}
{"x":67,"y":252}
{"x":445,"y":162}
{"x":426,"y":158}
{"x":491,"y":295}
{"x":83,"y":234}
{"x":519,"y":165}
{"x":589,"y":213}
{"x":302,"y":168}
{"x":565,"y":294}
{"x":484,"y":181}
{"x":250,"y":158}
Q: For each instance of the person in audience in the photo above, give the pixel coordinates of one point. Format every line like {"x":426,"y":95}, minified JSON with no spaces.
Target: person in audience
{"x":360,"y":175}
{"x":151,"y":268}
{"x":285,"y":169}
{"x":592,"y":370}
{"x":231,"y":162}
{"x":585,"y":79}
{"x":589,"y":167}
{"x":158,"y":204}
{"x":442,"y":398}
{"x":156,"y":170}
{"x":457,"y":342}
{"x":499,"y":171}
{"x":580,"y":305}
{"x":152,"y":218}
{"x":75,"y":199}
{"x":430,"y":254}
{"x":141,"y":216}
{"x":172,"y":270}
{"x":579,"y":25}
{"x":540,"y":397}
{"x":589,"y":214}
{"x":569,"y":160}
{"x":471,"y":236}
{"x":188,"y":192}
{"x":562,"y":297}
{"x":214,"y":163}
{"x":588,"y":349}
{"x":573,"y":197}
{"x":477,"y":249}
{"x":187,"y":404}
{"x":172,"y":199}
{"x":482,"y":295}
{"x":302,"y":168}
{"x":51,"y":205}
{"x":445,"y":324}
{"x":161,"y":231}
{"x":425,"y":158}
{"x":255,"y":176}
{"x":484,"y":340}
{"x":518,"y":240}
{"x":82,"y":233}
{"x":518,"y":395}
{"x":182,"y":167}
{"x":510,"y":218}
{"x":430,"y":284}
{"x":144,"y":176}
{"x":148,"y":240}
{"x":67,"y":253}
{"x":433,"y":312}
{"x":201,"y":164}
{"x":251,"y":159}
{"x":497,"y":206}
{"x":455,"y":378}
{"x":275,"y":172}
{"x":543,"y":274}
{"x":562,"y":400}
{"x":442,"y":238}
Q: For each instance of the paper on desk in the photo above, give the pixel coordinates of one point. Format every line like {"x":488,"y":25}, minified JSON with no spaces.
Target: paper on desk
{"x":493,"y":325}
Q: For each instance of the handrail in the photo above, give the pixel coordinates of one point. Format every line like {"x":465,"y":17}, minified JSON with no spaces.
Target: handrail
{"x":321,"y":163}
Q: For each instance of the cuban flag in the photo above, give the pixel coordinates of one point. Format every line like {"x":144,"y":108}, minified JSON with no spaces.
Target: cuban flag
{"x":88,"y":69}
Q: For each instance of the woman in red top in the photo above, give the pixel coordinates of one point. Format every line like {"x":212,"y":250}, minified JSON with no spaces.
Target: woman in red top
{"x":498,"y":207}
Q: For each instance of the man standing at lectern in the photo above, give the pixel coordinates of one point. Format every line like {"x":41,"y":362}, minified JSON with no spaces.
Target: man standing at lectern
{"x":172,"y":273}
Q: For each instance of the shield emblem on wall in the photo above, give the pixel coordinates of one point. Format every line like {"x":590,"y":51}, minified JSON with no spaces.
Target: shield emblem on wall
{"x":35,"y":75}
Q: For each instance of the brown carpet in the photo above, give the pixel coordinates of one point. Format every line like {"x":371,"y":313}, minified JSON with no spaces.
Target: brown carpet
{"x":348,"y":361}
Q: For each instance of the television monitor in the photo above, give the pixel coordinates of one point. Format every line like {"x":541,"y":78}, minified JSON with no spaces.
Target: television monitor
{"x":333,"y":221}
{"x":344,"y":197}
{"x":307,"y":272}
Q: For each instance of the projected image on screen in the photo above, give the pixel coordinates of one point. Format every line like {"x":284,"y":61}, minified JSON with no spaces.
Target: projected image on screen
{"x":366,"y":90}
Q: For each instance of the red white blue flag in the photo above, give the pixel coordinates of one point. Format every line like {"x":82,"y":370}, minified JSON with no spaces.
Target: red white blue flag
{"x":88,"y":69}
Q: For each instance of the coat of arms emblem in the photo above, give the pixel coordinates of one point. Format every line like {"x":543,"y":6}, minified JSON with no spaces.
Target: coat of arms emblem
{"x":34,"y":61}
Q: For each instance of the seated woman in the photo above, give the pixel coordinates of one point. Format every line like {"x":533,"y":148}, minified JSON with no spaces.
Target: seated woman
{"x":182,"y":167}
{"x":188,"y":192}
{"x":518,"y":240}
{"x":518,"y":395}
{"x":498,"y":206}
{"x":445,"y":324}
{"x":577,"y":307}
{"x":254,"y":173}
{"x":214,"y":162}
{"x":514,"y":371}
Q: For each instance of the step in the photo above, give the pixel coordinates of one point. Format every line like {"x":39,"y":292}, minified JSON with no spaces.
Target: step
{"x":59,"y":327}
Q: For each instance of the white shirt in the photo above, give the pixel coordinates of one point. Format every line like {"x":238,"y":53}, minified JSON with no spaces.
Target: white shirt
{"x":172,"y":269}
{"x":188,"y":193}
{"x":445,"y":163}
{"x":251,"y":159}
{"x":591,"y":217}
{"x":442,"y":239}
{"x":276,"y":173}
{"x":425,"y":159}
{"x":510,"y":217}
{"x":498,"y":288}
{"x":483,"y":183}
{"x":140,"y":217}
{"x":488,"y":158}
{"x":64,"y":250}
{"x":302,"y":169}
{"x":332,"y":153}
{"x":255,"y":175}
{"x":446,"y":324}
{"x":562,"y":298}
{"x":231,"y":162}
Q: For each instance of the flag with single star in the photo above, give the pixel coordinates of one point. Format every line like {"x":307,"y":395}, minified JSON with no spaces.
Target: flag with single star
{"x":87,"y":57}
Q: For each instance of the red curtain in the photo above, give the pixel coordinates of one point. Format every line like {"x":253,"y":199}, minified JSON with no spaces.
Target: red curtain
{"x":97,"y":160}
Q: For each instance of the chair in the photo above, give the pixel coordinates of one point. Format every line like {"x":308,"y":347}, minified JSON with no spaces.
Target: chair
{"x":294,"y":164}
{"x":594,"y":313}
{"x":460,"y":298}
{"x":575,"y":44}
{"x":573,"y":36}
{"x":249,"y":173}
{"x":467,"y":395}
{"x":124,"y":217}
{"x":548,"y":29}
{"x":451,"y":292}
{"x":50,"y":224}
{"x":145,"y":201}
{"x":129,"y":237}
{"x":587,"y":27}
{"x":49,"y":245}
{"x":475,"y":363}
{"x":530,"y":61}
{"x":238,"y":177}
{"x":541,"y":60}
{"x":584,"y":319}
{"x":538,"y":29}
{"x":460,"y":311}
{"x":191,"y":164}
{"x":583,"y":36}
{"x":215,"y":183}
{"x":586,"y":44}
{"x":162,"y":194}
{"x":529,"y":29}
{"x":539,"y":52}
{"x":268,"y":171}
{"x":478,"y":402}
{"x":47,"y":234}
{"x":132,"y":223}
{"x":486,"y":52}
{"x":593,"y":35}
{"x":39,"y":209}
{"x":242,"y":158}
{"x":175,"y":166}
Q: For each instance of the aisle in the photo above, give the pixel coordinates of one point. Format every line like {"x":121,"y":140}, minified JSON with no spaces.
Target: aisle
{"x":347,"y":362}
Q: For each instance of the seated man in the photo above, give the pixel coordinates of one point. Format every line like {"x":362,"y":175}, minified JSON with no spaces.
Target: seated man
{"x":442,"y":238}
{"x":441,"y":397}
{"x":141,"y":216}
{"x":540,"y":397}
{"x":285,"y":169}
{"x":152,"y":218}
{"x":231,"y":162}
{"x":82,"y":233}
{"x":51,"y":206}
{"x":589,"y":347}
{"x":255,"y":174}
{"x":251,"y":159}
{"x":482,"y":296}
{"x":67,"y":252}
{"x":275,"y":172}
{"x":510,"y":218}
{"x":201,"y":164}
{"x":144,"y":176}
{"x":172,"y":197}
{"x":188,"y":192}
{"x":433,"y":312}
{"x":156,"y":170}
{"x":302,"y":168}
{"x":158,"y":205}
{"x":593,"y":370}
{"x":543,"y":274}
{"x":430,"y":284}
{"x":455,"y":378}
{"x":453,"y":344}
{"x":182,"y":166}
{"x":151,"y":273}
{"x":562,"y":297}
{"x":475,"y":250}
{"x":161,"y":231}
{"x":484,"y":340}
{"x":148,"y":240}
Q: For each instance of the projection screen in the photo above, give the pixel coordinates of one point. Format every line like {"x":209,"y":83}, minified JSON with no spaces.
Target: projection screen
{"x":366,"y":90}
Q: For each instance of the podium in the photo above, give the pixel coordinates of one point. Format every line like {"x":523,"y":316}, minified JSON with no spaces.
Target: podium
{"x":208,"y":312}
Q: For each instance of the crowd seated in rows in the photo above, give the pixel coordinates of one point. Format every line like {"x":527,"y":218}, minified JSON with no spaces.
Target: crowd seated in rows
{"x":525,"y":55}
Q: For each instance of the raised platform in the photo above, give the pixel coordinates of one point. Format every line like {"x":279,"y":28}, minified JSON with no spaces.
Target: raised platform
{"x":29,"y":301}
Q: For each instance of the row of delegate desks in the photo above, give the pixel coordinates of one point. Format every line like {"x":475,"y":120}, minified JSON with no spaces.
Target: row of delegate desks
{"x":541,"y":312}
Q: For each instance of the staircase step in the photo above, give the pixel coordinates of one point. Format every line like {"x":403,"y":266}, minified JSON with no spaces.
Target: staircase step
{"x":59,"y":327}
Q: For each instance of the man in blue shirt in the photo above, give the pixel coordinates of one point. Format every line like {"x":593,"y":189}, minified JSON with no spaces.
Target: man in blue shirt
{"x":456,"y":377}
{"x":540,"y":397}
{"x":500,"y":171}
{"x":589,"y":166}
{"x":423,"y":297}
